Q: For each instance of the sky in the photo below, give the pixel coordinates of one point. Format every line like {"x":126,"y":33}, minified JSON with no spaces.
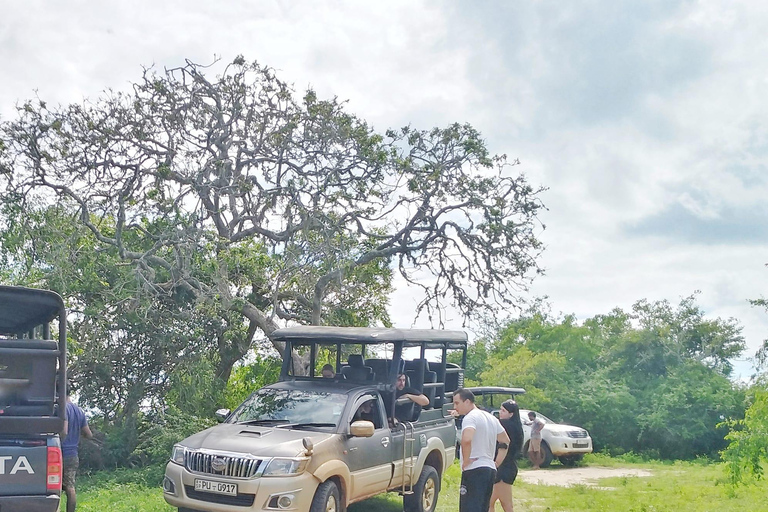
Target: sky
{"x":646,"y":121}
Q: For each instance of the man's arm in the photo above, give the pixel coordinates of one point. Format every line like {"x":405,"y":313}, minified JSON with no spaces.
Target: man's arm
{"x":467,"y":434}
{"x":86,"y":432}
{"x":420,"y":399}
{"x":503,"y":439}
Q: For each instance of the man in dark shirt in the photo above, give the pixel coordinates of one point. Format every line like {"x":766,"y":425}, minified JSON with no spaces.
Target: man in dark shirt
{"x":405,"y":412}
{"x":76,"y":425}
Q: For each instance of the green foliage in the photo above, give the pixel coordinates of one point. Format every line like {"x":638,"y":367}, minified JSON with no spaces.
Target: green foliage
{"x":747,"y":453}
{"x":543,"y":375}
{"x":161,"y":431}
{"x":195,"y":389}
{"x":683,"y":419}
{"x":248,"y":378}
{"x":653,"y":381}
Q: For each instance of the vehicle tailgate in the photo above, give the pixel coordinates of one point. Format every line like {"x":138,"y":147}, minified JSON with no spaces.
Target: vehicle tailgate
{"x":23,"y":470}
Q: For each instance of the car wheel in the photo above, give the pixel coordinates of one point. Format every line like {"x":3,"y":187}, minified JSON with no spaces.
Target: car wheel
{"x":570,"y":460}
{"x":546,"y":454}
{"x":326,"y":498}
{"x":425,"y":492}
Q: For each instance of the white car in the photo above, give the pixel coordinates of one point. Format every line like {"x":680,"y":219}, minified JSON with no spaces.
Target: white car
{"x":566,"y":442}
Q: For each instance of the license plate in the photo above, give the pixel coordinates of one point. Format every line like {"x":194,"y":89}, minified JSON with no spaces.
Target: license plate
{"x":215,"y":487}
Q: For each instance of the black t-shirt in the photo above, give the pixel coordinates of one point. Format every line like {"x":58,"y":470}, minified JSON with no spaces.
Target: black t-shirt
{"x":406,"y":391}
{"x":514,"y":430}
{"x":410,"y":410}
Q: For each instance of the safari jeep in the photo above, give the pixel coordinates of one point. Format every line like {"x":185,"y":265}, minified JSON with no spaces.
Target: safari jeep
{"x":309,"y":443}
{"x":32,"y":367}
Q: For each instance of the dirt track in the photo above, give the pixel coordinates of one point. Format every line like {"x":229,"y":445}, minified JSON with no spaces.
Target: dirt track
{"x":589,"y":476}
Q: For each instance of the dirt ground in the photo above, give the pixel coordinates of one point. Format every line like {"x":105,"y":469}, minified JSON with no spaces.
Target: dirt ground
{"x":590,"y":476}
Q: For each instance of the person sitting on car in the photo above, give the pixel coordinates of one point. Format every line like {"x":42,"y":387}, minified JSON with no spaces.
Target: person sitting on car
{"x":405,"y":412}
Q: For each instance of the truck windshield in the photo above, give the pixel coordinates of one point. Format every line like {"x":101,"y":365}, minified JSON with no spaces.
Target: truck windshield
{"x":292,"y":407}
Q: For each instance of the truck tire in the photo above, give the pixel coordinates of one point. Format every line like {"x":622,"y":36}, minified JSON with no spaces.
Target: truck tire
{"x":546,"y":454}
{"x":425,"y":492}
{"x":326,"y":498}
{"x":570,"y":460}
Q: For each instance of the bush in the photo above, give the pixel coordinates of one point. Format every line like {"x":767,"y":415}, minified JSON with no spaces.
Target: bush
{"x":159,"y":433}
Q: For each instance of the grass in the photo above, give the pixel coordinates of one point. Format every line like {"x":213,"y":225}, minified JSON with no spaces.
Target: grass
{"x":123,"y":490}
{"x":697,"y":486}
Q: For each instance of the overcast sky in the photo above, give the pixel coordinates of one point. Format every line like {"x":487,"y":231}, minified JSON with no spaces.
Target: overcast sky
{"x":646,"y":120}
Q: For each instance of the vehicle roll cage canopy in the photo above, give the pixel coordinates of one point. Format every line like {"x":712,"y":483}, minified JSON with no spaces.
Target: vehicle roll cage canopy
{"x":424,"y":339}
{"x":436,"y":378}
{"x":25,"y":331}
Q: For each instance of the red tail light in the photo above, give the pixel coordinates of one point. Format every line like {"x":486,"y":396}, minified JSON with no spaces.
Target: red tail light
{"x":54,"y":471}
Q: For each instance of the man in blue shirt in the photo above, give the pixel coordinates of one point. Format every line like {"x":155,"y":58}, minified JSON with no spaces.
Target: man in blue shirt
{"x":75,"y":425}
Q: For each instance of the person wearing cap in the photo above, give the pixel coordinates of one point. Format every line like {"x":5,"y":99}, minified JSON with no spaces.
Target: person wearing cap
{"x":509,"y":417}
{"x":482,"y":436}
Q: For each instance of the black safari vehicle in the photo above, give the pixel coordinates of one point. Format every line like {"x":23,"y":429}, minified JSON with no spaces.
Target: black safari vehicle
{"x":32,"y":413}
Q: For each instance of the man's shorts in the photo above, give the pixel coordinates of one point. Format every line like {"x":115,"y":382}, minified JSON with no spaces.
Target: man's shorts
{"x":534,"y":445}
{"x":71,"y":464}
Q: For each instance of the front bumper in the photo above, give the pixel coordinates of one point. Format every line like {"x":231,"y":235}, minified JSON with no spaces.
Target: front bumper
{"x":564,"y":445}
{"x":48,"y":503}
{"x":253,"y":493}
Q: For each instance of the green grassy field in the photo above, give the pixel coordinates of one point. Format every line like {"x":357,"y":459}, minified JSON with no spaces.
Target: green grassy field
{"x":679,"y":487}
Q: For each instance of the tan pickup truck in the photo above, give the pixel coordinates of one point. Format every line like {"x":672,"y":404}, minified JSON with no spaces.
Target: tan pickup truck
{"x":319,"y":444}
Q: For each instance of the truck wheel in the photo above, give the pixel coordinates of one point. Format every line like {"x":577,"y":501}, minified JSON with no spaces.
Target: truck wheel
{"x":326,"y":498}
{"x":546,"y":454}
{"x":425,"y":492}
{"x":570,"y":460}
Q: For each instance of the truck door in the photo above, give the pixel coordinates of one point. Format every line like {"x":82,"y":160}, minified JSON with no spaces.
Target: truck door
{"x":369,"y":458}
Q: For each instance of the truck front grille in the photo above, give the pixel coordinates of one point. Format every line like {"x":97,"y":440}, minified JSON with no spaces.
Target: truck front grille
{"x":220,"y":465}
{"x":577,"y":434}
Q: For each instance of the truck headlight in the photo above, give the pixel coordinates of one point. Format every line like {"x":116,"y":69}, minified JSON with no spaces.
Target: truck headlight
{"x":177,"y":455}
{"x":285,"y":466}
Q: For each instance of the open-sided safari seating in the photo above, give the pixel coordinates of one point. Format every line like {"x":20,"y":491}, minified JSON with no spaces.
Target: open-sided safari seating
{"x":378,"y":356}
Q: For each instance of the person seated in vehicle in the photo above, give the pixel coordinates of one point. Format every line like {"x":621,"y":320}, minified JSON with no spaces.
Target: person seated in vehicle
{"x":408,"y":411}
{"x":366,"y":412}
{"x":327,"y":372}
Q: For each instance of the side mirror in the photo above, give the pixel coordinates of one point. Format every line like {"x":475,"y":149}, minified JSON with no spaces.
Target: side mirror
{"x":221,"y":415}
{"x":361,"y":428}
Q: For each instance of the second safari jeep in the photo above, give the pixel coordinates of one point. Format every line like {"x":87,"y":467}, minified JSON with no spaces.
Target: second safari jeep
{"x":319,"y":444}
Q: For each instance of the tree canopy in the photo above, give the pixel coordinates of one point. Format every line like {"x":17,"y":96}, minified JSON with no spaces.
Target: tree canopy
{"x":229,"y":191}
{"x":653,"y":380}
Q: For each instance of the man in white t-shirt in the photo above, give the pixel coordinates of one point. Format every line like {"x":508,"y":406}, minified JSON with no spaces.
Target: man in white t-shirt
{"x":480,"y":433}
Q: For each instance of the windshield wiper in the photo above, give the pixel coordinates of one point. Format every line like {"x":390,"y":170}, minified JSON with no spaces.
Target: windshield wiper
{"x":261,"y":422}
{"x":304,"y":425}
